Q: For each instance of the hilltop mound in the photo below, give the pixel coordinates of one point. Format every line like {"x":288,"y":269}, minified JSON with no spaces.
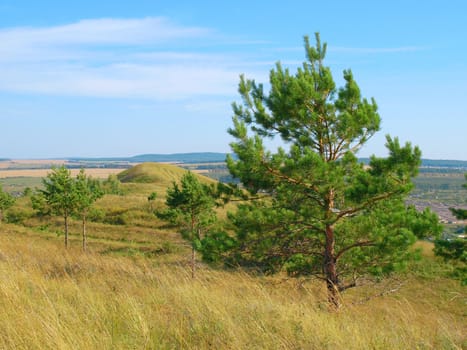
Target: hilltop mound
{"x":155,"y":173}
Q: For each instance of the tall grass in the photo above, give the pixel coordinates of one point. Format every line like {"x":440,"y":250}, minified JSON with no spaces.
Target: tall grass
{"x":56,"y":299}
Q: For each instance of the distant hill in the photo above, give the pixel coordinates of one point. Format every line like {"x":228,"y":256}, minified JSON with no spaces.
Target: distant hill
{"x":213,"y":157}
{"x":442,"y":163}
{"x":436,"y":164}
{"x":203,"y":157}
{"x":198,"y":157}
{"x":163,"y":174}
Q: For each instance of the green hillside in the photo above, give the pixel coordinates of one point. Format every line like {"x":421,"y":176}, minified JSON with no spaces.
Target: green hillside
{"x":159,"y":173}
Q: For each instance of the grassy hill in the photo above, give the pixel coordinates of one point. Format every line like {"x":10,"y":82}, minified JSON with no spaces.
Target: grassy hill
{"x":162,"y":174}
{"x":133,"y":290}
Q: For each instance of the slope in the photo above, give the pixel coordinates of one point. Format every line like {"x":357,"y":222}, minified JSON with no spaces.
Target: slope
{"x":162,"y":174}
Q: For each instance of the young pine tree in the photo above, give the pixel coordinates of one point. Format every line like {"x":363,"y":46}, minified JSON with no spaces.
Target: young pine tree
{"x":88,"y":190}
{"x":190,"y":207}
{"x":59,"y":195}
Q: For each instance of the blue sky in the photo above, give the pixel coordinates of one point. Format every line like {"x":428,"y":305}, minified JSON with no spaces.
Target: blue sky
{"x":120,"y":78}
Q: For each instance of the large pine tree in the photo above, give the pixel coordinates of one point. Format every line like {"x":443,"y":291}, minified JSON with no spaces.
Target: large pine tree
{"x":315,"y":208}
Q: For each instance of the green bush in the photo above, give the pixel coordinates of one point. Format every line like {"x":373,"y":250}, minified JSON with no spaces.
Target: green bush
{"x":17,"y":215}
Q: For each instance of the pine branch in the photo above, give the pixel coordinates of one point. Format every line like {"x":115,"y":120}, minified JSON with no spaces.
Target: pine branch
{"x":355,"y":245}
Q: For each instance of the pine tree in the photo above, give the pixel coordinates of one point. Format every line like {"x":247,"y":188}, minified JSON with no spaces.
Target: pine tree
{"x":88,"y":190}
{"x":59,"y":195}
{"x":320,"y":211}
{"x":190,"y":207}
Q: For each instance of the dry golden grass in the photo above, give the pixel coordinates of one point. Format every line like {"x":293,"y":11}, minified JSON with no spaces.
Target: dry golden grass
{"x":101,"y":173}
{"x":133,"y":290}
{"x":56,"y":299}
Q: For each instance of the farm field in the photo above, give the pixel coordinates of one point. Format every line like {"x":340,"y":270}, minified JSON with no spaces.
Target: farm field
{"x":17,"y":180}
{"x":100,"y":173}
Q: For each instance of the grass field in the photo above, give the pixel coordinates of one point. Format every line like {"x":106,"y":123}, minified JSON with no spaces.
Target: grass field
{"x":57,"y":299}
{"x":133,"y":290}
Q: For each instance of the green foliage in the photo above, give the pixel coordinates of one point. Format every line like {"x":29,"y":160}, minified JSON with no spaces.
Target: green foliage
{"x":65,"y":196}
{"x":27,"y":192}
{"x":88,"y":190}
{"x":190,"y":207}
{"x":6,"y":201}
{"x":39,"y":203}
{"x":96,"y":214}
{"x":152,"y":196}
{"x":59,"y":191}
{"x":112,"y":185}
{"x":317,"y":209}
{"x":214,"y":246}
{"x":17,"y":215}
{"x":459,"y":213}
{"x":59,"y":195}
{"x":454,"y":251}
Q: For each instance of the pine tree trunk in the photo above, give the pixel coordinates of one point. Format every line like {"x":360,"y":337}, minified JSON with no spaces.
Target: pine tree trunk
{"x":66,"y":231}
{"x":84,"y":233}
{"x":330,"y":270}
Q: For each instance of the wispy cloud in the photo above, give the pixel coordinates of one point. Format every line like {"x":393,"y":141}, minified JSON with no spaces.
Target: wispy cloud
{"x":133,"y":58}
{"x":123,"y":81}
{"x":106,"y":31}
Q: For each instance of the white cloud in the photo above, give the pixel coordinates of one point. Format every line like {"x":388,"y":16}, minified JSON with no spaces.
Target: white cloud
{"x":106,"y":31}
{"x":123,"y":58}
{"x":91,"y":39}
{"x":123,"y":81}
